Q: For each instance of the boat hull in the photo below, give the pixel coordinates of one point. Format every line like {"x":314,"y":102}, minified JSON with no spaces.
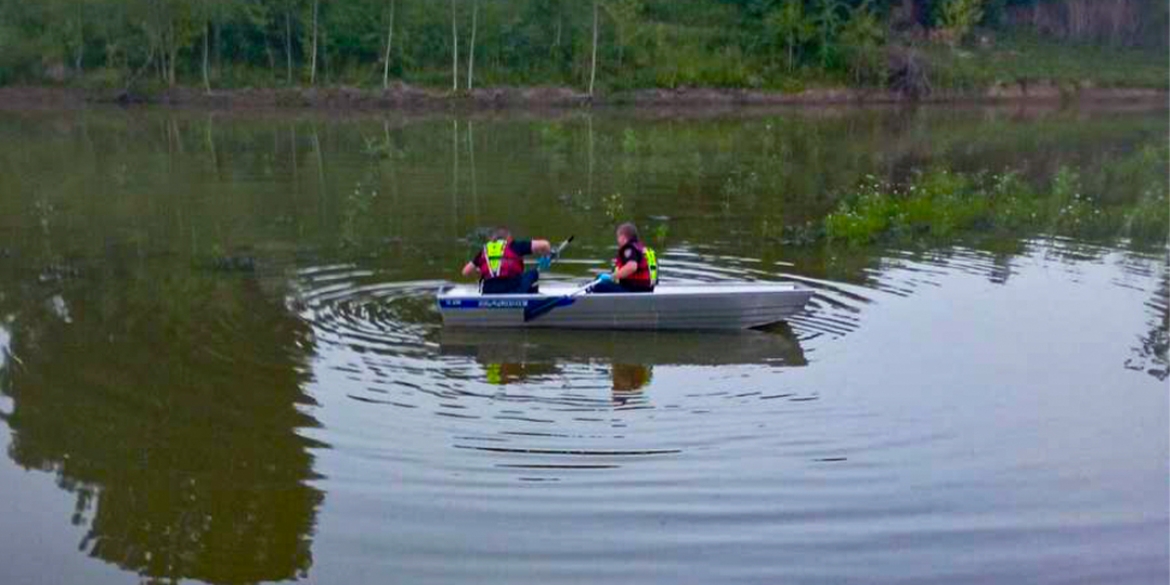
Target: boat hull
{"x":669,"y":307}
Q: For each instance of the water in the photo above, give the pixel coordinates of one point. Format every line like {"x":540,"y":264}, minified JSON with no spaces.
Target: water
{"x":220,"y":359}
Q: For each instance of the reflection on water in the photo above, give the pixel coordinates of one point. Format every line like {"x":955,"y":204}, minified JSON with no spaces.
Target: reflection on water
{"x":1153,"y":346}
{"x":170,"y":405}
{"x":219,"y":336}
{"x":511,"y":357}
{"x":628,"y":381}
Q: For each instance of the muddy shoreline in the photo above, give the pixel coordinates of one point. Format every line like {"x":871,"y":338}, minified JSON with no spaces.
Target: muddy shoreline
{"x":405,"y":97}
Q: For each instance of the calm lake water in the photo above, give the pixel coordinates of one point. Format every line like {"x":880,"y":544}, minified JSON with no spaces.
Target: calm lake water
{"x":220,"y":359}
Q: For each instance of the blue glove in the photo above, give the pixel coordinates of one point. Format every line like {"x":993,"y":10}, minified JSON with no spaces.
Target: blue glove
{"x":606,"y":277}
{"x":544,"y":263}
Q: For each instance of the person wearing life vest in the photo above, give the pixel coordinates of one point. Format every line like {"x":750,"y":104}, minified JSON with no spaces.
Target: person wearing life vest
{"x":500,"y":264}
{"x":635,"y":268}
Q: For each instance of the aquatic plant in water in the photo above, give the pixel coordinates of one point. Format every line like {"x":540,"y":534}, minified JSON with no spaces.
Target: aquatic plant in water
{"x":941,"y":203}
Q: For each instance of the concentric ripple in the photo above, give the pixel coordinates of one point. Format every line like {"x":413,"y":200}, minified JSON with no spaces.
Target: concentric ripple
{"x":719,"y":434}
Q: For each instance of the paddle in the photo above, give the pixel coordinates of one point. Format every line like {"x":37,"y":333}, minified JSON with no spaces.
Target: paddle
{"x":556,"y":252}
{"x":537,"y":311}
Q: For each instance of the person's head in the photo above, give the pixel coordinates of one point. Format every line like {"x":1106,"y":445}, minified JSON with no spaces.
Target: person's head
{"x":501,"y":233}
{"x":626,"y":233}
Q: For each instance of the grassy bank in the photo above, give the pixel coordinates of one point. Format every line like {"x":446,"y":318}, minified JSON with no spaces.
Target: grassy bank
{"x":1011,"y":67}
{"x":913,"y":48}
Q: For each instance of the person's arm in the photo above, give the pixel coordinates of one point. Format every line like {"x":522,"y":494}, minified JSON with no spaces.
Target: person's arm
{"x":627,"y":270}
{"x":541,"y":247}
{"x":473,"y":267}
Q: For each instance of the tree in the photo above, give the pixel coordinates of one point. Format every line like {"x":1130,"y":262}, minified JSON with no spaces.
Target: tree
{"x":207,"y":13}
{"x":958,"y":17}
{"x":593,"y":65}
{"x":828,"y":24}
{"x":861,"y":37}
{"x":170,"y":26}
{"x":77,"y":38}
{"x":454,"y":51}
{"x":286,"y":9}
{"x":625,"y":15}
{"x":471,"y":43}
{"x":313,"y":57}
{"x":790,"y":25}
{"x":389,"y":43}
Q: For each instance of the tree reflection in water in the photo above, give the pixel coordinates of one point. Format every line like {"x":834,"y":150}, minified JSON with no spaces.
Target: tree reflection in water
{"x":170,"y":403}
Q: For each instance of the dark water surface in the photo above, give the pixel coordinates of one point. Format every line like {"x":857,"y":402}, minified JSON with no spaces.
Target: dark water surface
{"x":220,"y":359}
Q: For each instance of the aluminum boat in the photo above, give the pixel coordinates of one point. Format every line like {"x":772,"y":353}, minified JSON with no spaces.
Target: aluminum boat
{"x":670,"y":306}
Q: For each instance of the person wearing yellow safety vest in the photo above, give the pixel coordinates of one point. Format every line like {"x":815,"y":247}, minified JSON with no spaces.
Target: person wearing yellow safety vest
{"x":635,"y":268}
{"x":500,"y":264}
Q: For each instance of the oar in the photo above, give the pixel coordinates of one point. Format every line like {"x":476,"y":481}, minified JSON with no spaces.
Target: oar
{"x":561,"y":247}
{"x":556,"y":253}
{"x":537,"y":311}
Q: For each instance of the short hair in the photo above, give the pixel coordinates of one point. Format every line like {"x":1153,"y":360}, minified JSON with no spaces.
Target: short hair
{"x":501,"y":233}
{"x":628,"y":230}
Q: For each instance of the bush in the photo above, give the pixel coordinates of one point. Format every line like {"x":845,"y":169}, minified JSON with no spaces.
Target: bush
{"x":942,"y":204}
{"x":958,"y":17}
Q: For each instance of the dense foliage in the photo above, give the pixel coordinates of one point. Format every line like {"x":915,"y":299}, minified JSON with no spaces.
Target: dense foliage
{"x":939,"y":203}
{"x":778,"y":44}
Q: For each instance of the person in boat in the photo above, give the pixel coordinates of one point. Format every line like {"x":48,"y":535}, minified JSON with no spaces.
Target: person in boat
{"x":635,"y":268}
{"x":500,"y":264}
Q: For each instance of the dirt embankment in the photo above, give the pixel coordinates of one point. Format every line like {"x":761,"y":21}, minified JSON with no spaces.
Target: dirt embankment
{"x":403,"y":96}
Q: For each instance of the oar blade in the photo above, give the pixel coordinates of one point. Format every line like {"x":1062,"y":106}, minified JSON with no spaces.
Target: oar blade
{"x":538,"y":310}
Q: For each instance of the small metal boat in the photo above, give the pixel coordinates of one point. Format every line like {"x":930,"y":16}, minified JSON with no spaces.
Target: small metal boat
{"x":670,"y":306}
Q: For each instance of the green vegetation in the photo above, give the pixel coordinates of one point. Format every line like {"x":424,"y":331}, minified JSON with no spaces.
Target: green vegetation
{"x":1028,"y":58}
{"x":940,"y":204}
{"x":614,"y":44}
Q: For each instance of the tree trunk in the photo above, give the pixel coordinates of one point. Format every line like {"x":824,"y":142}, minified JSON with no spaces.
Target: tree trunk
{"x":288,"y":46}
{"x":313,"y":60}
{"x":80,"y":57}
{"x":167,"y":42}
{"x":206,"y":72}
{"x":471,"y":44}
{"x":161,"y":64}
{"x":389,"y":43}
{"x":454,"y":51}
{"x":174,"y":42}
{"x":324,"y":54}
{"x":593,"y":66}
{"x":270,"y":52}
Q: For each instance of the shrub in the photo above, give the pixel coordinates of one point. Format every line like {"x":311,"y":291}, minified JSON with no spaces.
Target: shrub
{"x":958,"y":17}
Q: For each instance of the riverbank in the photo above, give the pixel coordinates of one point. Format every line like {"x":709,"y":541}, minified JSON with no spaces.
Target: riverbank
{"x":402,"y":96}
